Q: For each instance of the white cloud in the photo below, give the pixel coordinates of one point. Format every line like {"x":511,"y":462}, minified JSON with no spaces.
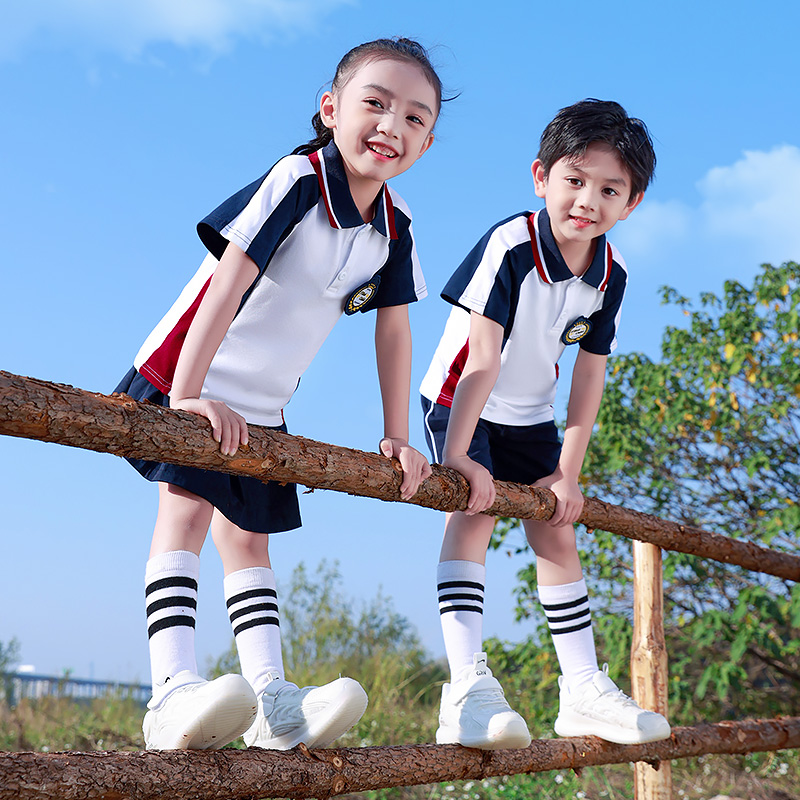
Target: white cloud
{"x":748,"y":214}
{"x":128,"y":27}
{"x":756,"y":201}
{"x":652,"y":227}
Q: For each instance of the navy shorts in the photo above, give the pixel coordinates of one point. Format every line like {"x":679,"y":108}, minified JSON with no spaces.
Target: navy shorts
{"x":518,"y":453}
{"x":251,"y":504}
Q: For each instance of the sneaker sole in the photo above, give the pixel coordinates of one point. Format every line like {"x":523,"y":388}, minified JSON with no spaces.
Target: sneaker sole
{"x":508,"y":740}
{"x":221,"y":722}
{"x":338,"y":721}
{"x":577,"y":725}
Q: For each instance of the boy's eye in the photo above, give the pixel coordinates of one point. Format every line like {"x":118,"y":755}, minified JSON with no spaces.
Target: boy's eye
{"x":611,"y":192}
{"x":574,"y":181}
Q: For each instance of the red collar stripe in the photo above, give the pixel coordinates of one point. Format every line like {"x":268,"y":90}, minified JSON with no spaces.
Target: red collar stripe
{"x":609,"y":262}
{"x":389,"y":211}
{"x":537,"y":252}
{"x":319,"y":168}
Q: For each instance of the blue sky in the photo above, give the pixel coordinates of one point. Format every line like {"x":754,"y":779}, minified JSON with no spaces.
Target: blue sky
{"x":125,"y":123}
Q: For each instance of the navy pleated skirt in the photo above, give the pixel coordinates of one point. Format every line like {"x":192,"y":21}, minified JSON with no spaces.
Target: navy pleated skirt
{"x":251,"y":504}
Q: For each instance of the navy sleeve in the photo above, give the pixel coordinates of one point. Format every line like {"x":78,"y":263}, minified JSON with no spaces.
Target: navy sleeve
{"x":272,"y":205}
{"x":489,"y":278}
{"x":605,"y":320}
{"x":397,"y":286}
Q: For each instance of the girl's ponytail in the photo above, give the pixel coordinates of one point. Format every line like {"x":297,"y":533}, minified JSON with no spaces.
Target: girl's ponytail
{"x":323,"y":136}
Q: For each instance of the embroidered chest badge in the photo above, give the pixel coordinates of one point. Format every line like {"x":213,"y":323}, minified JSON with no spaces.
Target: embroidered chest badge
{"x":360,"y":299}
{"x":576,"y":330}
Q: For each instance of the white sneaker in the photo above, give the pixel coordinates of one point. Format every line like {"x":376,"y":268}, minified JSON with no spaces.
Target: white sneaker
{"x":316,"y":715}
{"x":190,"y":713}
{"x":599,"y":708}
{"x":474,"y":712}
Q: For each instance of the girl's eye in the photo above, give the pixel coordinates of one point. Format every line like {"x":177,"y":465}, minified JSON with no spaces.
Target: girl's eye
{"x":373,"y":102}
{"x":416,"y":120}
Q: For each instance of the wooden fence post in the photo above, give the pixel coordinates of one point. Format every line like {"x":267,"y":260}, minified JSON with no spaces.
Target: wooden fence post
{"x":649,"y":661}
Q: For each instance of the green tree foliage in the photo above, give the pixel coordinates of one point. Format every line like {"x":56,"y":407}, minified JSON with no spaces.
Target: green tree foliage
{"x":710,"y":436}
{"x":9,"y":658}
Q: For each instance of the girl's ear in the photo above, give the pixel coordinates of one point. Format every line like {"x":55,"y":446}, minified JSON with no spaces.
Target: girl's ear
{"x":327,"y":110}
{"x":428,"y":142}
{"x":539,"y":178}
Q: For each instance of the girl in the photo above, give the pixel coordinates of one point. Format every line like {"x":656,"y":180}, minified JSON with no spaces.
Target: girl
{"x":319,"y":234}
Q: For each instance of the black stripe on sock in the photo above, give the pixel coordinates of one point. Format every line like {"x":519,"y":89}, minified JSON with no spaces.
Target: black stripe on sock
{"x":164,"y":583}
{"x":234,"y":615}
{"x":170,"y":622}
{"x":476,"y":609}
{"x":567,"y":617}
{"x":562,"y":606}
{"x":459,"y":584}
{"x":461,"y":596}
{"x":254,"y":622}
{"x":172,"y":602}
{"x":572,"y":629}
{"x":249,"y":595}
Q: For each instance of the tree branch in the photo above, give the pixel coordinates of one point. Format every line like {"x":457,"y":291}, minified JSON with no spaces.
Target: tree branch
{"x":300,"y":773}
{"x":36,"y":409}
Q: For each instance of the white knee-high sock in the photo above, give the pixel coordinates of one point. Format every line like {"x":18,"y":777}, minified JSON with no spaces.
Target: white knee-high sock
{"x":570,"y":621}
{"x":252,"y":602}
{"x":171,"y":600}
{"x":460,"y":586}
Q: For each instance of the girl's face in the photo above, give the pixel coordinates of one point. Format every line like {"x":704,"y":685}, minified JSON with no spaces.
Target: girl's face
{"x":382,"y":121}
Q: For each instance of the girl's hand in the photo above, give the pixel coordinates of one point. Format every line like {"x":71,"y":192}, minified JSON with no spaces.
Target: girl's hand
{"x":415,"y":466}
{"x":481,"y":483}
{"x":228,"y":427}
{"x":569,"y":498}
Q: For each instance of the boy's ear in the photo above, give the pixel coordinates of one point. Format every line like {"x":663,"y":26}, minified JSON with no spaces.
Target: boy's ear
{"x":327,"y":110}
{"x":539,"y":178}
{"x":632,"y":203}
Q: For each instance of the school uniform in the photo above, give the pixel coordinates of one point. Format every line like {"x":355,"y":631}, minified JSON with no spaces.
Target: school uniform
{"x":517,"y":277}
{"x":300,"y":226}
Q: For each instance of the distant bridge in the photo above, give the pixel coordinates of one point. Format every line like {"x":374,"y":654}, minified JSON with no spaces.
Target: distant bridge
{"x":19,"y":685}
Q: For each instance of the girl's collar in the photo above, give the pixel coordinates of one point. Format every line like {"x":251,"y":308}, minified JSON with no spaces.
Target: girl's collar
{"x":342,"y":211}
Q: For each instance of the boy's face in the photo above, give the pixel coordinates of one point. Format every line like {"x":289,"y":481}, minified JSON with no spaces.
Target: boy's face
{"x":585,"y":197}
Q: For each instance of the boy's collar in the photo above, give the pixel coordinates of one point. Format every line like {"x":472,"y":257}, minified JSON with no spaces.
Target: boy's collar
{"x":550,"y":263}
{"x":342,"y":211}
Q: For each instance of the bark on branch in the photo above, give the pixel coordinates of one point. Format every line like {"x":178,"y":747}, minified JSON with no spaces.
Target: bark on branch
{"x":253,"y":774}
{"x":36,"y":409}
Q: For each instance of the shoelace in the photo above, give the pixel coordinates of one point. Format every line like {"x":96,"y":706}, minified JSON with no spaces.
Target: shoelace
{"x":619,"y":696}
{"x":490,"y":697}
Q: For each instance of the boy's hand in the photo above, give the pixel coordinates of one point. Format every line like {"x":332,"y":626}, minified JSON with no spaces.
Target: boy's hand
{"x":569,"y":498}
{"x":481,"y":483}
{"x":228,"y":427}
{"x":415,"y":466}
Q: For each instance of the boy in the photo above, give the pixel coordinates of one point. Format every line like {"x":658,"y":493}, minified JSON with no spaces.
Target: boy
{"x":533,"y":285}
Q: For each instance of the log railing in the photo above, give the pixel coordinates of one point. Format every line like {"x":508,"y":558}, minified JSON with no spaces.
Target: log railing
{"x":253,"y":774}
{"x":35,"y":409}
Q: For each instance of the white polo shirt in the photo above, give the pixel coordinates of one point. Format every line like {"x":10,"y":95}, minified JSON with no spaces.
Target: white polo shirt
{"x":517,"y":276}
{"x":302,"y":229}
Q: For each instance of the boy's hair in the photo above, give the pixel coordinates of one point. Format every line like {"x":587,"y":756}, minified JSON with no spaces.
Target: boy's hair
{"x":592,"y":121}
{"x":397,"y":49}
